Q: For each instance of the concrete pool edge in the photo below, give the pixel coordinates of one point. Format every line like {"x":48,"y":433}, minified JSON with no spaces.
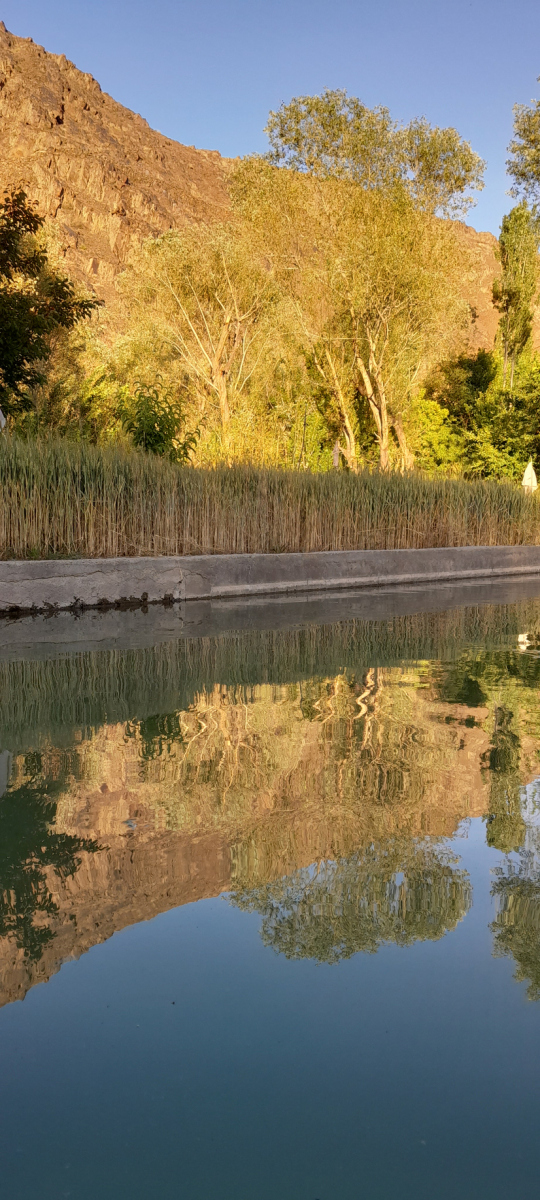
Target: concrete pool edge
{"x":55,"y":585}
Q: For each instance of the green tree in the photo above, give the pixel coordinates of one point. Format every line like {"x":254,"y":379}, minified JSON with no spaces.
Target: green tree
{"x":459,"y":382}
{"x":496,"y":432}
{"x":34,"y":303}
{"x":524,"y":162}
{"x":205,"y":293}
{"x":335,"y":134}
{"x":155,"y":419}
{"x":515,"y":292}
{"x":373,"y":284}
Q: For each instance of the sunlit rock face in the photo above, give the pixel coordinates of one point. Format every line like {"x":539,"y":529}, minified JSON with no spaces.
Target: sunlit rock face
{"x":106,"y":180}
{"x":93,"y":167}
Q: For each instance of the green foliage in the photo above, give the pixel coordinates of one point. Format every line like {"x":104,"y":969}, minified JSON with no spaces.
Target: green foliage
{"x":436,"y":445}
{"x":514,"y":293}
{"x":494,"y":432}
{"x":206,"y":295}
{"x":299,"y":328}
{"x":524,"y":162}
{"x":373,"y":289}
{"x":155,"y":419}
{"x":77,"y":401}
{"x":34,"y":303}
{"x":335,"y":134}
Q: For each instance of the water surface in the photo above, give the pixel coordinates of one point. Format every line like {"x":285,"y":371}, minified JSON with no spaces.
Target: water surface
{"x":270,"y":912}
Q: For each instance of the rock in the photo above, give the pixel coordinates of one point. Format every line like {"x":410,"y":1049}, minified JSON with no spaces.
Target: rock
{"x":93,"y":167}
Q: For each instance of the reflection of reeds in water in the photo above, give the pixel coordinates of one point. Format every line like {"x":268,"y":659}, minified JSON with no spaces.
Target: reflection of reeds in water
{"x":52,"y":698}
{"x":66,"y":499}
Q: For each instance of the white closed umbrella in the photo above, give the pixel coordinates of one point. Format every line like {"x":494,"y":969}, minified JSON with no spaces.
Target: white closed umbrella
{"x":529,"y":481}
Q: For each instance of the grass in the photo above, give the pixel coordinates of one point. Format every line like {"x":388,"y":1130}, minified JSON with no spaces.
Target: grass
{"x":62,"y":499}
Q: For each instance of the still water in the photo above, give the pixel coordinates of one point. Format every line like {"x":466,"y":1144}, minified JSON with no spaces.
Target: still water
{"x":270,"y":909}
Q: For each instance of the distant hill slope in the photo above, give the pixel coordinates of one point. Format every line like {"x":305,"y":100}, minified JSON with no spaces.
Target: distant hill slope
{"x":108,"y":180}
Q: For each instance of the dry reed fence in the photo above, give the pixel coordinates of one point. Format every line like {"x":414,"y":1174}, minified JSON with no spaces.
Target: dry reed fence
{"x":60,"y":499}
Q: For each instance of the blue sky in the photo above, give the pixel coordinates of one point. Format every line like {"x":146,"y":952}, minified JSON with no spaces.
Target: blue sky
{"x":207,"y":72}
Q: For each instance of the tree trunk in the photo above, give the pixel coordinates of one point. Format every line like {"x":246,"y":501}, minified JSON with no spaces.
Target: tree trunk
{"x":350,"y":442}
{"x":349,"y":451}
{"x":406,"y":453}
{"x":384,"y":455}
{"x":220,"y":371}
{"x":221,"y":388}
{"x":377,"y":404}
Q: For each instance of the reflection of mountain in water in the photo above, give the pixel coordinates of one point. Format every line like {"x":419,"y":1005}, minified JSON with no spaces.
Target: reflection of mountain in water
{"x":399,"y":891}
{"x":175,"y":773}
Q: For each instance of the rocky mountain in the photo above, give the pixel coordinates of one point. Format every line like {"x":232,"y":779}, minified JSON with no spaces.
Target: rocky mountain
{"x":96,"y":169}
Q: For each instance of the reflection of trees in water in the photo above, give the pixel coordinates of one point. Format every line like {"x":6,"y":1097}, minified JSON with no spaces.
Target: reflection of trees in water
{"x":472,"y":677}
{"x":397,"y":891}
{"x":508,"y":681}
{"x":28,"y":846}
{"x":506,"y":827}
{"x":364,"y":743}
{"x":297,"y":771}
{"x":516,"y":928}
{"x":373,"y":741}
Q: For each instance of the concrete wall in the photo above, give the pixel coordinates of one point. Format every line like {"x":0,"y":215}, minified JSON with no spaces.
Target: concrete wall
{"x":80,"y":583}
